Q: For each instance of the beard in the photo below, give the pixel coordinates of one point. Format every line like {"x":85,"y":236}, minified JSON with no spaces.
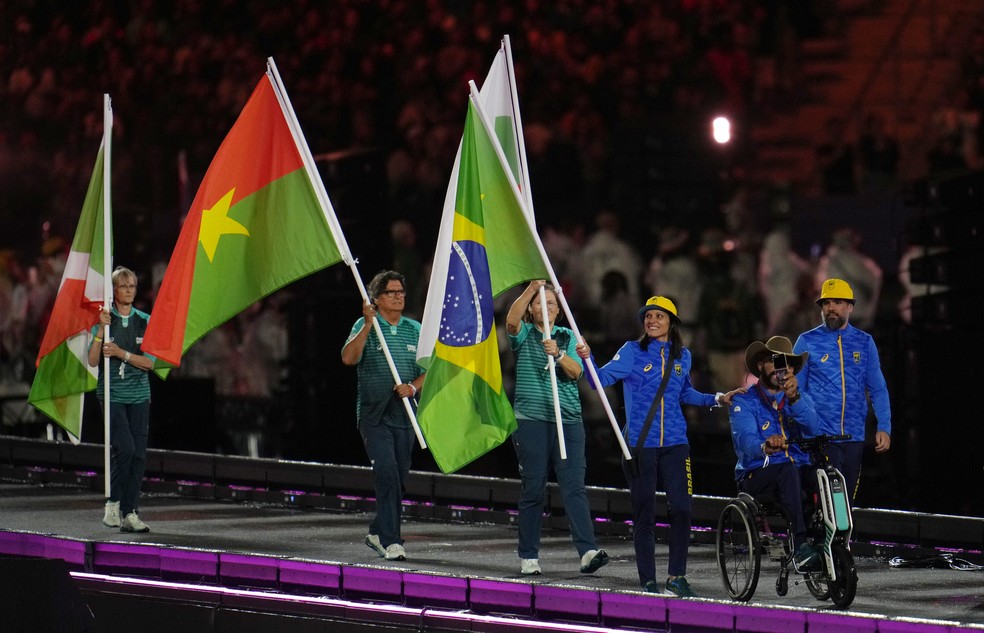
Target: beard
{"x":769,"y":380}
{"x":834,"y":322}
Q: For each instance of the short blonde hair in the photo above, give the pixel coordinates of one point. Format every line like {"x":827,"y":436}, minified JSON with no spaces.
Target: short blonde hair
{"x":123,"y":271}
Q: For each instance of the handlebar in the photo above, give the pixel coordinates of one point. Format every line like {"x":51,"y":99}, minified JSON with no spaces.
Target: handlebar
{"x":815,"y":445}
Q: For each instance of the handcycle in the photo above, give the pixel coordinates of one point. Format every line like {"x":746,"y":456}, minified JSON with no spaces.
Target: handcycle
{"x":744,"y":536}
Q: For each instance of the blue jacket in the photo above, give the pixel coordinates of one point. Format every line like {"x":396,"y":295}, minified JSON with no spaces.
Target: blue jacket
{"x":843,"y":371}
{"x":640,"y":373}
{"x":756,"y":415}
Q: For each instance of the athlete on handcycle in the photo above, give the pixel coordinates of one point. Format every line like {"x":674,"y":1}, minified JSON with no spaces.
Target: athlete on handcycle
{"x":763,"y":421}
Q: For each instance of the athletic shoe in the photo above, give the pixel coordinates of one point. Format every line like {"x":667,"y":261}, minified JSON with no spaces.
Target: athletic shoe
{"x":111,"y":516}
{"x":395,"y":552}
{"x":372,"y":540}
{"x":530,"y":566}
{"x":651,"y":586}
{"x":806,"y":558}
{"x":132,"y":523}
{"x":679,"y":587}
{"x":593,"y":560}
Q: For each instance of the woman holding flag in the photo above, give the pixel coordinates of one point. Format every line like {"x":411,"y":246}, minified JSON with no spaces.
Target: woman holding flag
{"x":129,"y":399}
{"x":536,"y":437}
{"x":655,"y":375}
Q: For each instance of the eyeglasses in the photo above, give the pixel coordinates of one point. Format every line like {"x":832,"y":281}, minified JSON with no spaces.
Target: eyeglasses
{"x":394,"y":293}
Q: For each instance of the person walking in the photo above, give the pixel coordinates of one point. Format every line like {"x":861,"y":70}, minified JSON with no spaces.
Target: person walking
{"x":655,"y":375}
{"x":384,"y":425}
{"x":536,"y":438}
{"x":843,"y":372}
{"x":129,"y":399}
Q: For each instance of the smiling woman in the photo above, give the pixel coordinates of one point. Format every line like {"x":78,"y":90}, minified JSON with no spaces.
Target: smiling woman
{"x":657,"y":429}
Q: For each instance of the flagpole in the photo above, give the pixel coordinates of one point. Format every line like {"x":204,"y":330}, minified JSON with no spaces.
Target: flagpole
{"x":329,"y":212}
{"x":553,"y":276}
{"x":551,"y":363}
{"x":521,"y":144}
{"x":528,"y":210}
{"x":107,"y":275}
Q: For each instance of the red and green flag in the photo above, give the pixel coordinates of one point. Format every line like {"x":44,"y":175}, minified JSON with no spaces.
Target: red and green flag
{"x":63,"y":372}
{"x":255,"y":225}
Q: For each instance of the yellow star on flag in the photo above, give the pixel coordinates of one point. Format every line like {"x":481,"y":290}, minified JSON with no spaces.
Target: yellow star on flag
{"x":216,"y":223}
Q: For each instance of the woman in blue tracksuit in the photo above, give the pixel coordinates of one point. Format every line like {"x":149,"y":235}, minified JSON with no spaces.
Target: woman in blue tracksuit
{"x":663,"y":460}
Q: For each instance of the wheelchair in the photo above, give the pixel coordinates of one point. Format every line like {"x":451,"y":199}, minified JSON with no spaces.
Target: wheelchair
{"x":744,"y":536}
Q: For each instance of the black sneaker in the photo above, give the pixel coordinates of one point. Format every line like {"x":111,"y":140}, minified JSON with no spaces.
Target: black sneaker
{"x":679,"y":587}
{"x":806,"y":558}
{"x":593,"y":560}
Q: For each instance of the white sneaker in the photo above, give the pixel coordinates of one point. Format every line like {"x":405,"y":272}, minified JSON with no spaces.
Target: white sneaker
{"x":111,"y":517}
{"x":530,"y":566}
{"x":396,"y":552}
{"x":132,"y":523}
{"x":372,"y":540}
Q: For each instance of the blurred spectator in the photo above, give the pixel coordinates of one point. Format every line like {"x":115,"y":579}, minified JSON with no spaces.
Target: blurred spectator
{"x":956,"y":124}
{"x":843,"y":259}
{"x":408,"y":260}
{"x":673,"y":273}
{"x":800,"y":315}
{"x":780,"y":268}
{"x":729,"y":315}
{"x":606,"y":251}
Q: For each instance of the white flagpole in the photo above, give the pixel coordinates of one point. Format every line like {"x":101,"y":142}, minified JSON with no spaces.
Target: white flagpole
{"x":107,"y":274}
{"x":551,"y":364}
{"x":524,"y":174}
{"x":520,"y":139}
{"x":553,"y":276}
{"x":334,"y":226}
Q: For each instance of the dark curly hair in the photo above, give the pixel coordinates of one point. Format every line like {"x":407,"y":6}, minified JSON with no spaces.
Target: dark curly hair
{"x":381,"y":280}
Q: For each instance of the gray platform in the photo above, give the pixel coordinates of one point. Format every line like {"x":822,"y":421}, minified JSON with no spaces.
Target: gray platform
{"x":468,"y":550}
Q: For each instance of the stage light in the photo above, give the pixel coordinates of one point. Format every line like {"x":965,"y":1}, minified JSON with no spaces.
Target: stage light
{"x":721,"y":130}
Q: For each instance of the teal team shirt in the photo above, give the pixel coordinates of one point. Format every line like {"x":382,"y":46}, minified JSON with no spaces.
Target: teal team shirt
{"x":534,"y":395}
{"x":375,"y":403}
{"x":133,"y":386}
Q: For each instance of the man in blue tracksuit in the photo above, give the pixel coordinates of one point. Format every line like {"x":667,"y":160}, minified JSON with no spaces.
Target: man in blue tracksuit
{"x":842,"y":373}
{"x":772,"y":412}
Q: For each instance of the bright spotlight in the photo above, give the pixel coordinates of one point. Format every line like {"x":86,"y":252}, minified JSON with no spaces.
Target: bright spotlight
{"x":721,"y":130}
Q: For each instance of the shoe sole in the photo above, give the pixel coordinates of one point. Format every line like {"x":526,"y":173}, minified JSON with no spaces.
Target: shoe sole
{"x":596,"y":563}
{"x":126,"y":530}
{"x":530,"y":573}
{"x":400,"y":557}
{"x":112,"y":525}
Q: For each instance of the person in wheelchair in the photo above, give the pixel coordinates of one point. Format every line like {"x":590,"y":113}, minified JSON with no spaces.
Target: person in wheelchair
{"x":771,"y":412}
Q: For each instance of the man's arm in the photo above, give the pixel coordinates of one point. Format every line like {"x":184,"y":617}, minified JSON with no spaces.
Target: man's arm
{"x":353,"y":348}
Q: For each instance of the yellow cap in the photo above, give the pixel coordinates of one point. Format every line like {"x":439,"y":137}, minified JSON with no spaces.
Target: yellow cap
{"x":659,"y":303}
{"x":836,"y":289}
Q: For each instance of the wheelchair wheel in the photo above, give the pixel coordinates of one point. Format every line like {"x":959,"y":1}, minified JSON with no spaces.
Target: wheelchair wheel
{"x":739,"y":556}
{"x":843,"y":590}
{"x":817,"y":584}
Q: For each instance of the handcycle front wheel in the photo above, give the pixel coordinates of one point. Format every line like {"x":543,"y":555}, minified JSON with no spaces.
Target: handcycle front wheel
{"x":843,"y":590}
{"x":739,"y":555}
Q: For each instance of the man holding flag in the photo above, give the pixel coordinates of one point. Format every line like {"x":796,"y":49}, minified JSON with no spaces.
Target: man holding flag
{"x":129,"y":399}
{"x":383,"y":422}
